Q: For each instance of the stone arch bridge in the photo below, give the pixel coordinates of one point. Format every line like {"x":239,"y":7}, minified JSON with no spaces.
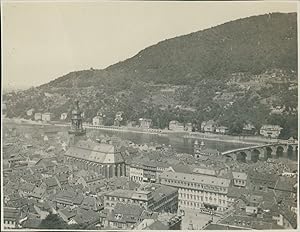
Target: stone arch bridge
{"x":260,"y":151}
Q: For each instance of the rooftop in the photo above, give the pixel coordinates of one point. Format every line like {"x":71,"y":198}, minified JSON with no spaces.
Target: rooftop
{"x":202,"y":179}
{"x":239,"y":175}
{"x":95,"y":152}
{"x":121,"y":193}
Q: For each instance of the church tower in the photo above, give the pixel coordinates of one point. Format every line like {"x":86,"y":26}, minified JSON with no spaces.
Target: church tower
{"x":76,"y":129}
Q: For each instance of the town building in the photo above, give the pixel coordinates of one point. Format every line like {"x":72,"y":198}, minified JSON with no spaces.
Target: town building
{"x":136,"y":173}
{"x":201,"y":151}
{"x":118,"y":118}
{"x":154,"y":197}
{"x":239,"y":179}
{"x":63,"y":116}
{"x":208,"y":126}
{"x":37,"y":116}
{"x":222,"y":130}
{"x":165,"y":198}
{"x":140,"y":198}
{"x":30,"y":112}
{"x":147,"y":171}
{"x":124,"y":217}
{"x":11,"y":218}
{"x":103,"y":158}
{"x":159,"y":222}
{"x":270,"y":131}
{"x":188,"y":127}
{"x":277,"y":110}
{"x":68,"y":198}
{"x":198,"y":191}
{"x":46,"y":117}
{"x":176,"y":126}
{"x":145,"y":123}
{"x":249,"y":129}
{"x":205,"y":171}
{"x":97,"y":120}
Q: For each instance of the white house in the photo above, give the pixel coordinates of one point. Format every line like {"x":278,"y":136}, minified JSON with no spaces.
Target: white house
{"x":145,"y":123}
{"x":30,"y":112}
{"x":46,"y":117}
{"x":271,"y":131}
{"x":208,"y":126}
{"x":37,"y":116}
{"x":63,"y":116}
{"x":176,"y":126}
{"x":97,"y":120}
{"x":222,"y":130}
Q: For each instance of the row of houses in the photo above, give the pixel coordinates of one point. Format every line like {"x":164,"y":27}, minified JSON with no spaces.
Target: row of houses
{"x":270,"y":131}
{"x":46,"y":117}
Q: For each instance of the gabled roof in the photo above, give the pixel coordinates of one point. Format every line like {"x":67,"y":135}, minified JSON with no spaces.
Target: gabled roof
{"x":201,"y":179}
{"x":86,"y":216}
{"x":38,"y":192}
{"x":68,"y":212}
{"x":27,"y":187}
{"x":157,"y":225}
{"x":11,"y":213}
{"x":51,"y":182}
{"x":239,"y":175}
{"x":121,"y":193}
{"x":95,"y":152}
{"x":126,"y":213}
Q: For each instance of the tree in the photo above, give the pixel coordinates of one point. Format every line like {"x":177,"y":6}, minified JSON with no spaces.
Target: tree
{"x":236,"y":127}
{"x":53,"y":221}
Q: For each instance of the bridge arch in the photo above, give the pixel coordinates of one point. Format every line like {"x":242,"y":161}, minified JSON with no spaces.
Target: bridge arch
{"x":261,"y":152}
{"x":241,"y":156}
{"x":255,"y":153}
{"x":280,"y":150}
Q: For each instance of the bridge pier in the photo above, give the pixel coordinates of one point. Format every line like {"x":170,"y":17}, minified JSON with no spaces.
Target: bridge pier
{"x":273,"y":150}
{"x":248,"y":156}
{"x":285,"y":149}
{"x":294,"y":147}
{"x":234,"y":156}
{"x":262,"y":153}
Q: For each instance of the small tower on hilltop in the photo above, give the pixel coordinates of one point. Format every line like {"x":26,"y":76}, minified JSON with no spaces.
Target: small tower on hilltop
{"x":76,"y":121}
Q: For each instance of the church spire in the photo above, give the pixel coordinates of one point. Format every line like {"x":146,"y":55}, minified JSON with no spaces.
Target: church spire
{"x":76,"y":121}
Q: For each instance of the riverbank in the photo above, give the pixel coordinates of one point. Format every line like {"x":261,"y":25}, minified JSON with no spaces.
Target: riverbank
{"x":251,"y":140}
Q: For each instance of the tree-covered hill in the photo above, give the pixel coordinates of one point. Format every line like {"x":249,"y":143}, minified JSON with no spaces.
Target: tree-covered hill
{"x":233,"y":73}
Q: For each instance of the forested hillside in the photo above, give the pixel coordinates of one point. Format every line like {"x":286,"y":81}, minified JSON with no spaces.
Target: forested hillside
{"x":233,"y":73}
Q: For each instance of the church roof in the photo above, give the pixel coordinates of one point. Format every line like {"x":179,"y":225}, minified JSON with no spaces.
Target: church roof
{"x":95,"y":152}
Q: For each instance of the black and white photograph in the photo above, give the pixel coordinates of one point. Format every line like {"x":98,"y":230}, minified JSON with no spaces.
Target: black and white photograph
{"x":149,"y":115}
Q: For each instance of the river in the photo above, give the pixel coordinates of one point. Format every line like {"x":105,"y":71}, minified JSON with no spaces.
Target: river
{"x":179,"y":143}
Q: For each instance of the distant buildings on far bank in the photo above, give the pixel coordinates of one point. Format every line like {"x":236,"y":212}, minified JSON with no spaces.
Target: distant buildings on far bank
{"x":271,"y":131}
{"x":210,"y":126}
{"x":145,"y":123}
{"x":45,"y":117}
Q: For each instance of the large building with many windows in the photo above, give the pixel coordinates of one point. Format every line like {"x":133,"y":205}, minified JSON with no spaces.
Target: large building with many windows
{"x":155,"y":197}
{"x":198,"y":191}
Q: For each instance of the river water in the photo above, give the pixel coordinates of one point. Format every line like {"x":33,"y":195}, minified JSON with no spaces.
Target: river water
{"x":182,"y":145}
{"x":179,"y":143}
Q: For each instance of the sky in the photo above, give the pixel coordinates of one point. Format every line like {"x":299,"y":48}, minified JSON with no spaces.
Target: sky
{"x":43,"y":41}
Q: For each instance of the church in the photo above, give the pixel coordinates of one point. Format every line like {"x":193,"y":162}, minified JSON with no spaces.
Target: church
{"x":103,"y":158}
